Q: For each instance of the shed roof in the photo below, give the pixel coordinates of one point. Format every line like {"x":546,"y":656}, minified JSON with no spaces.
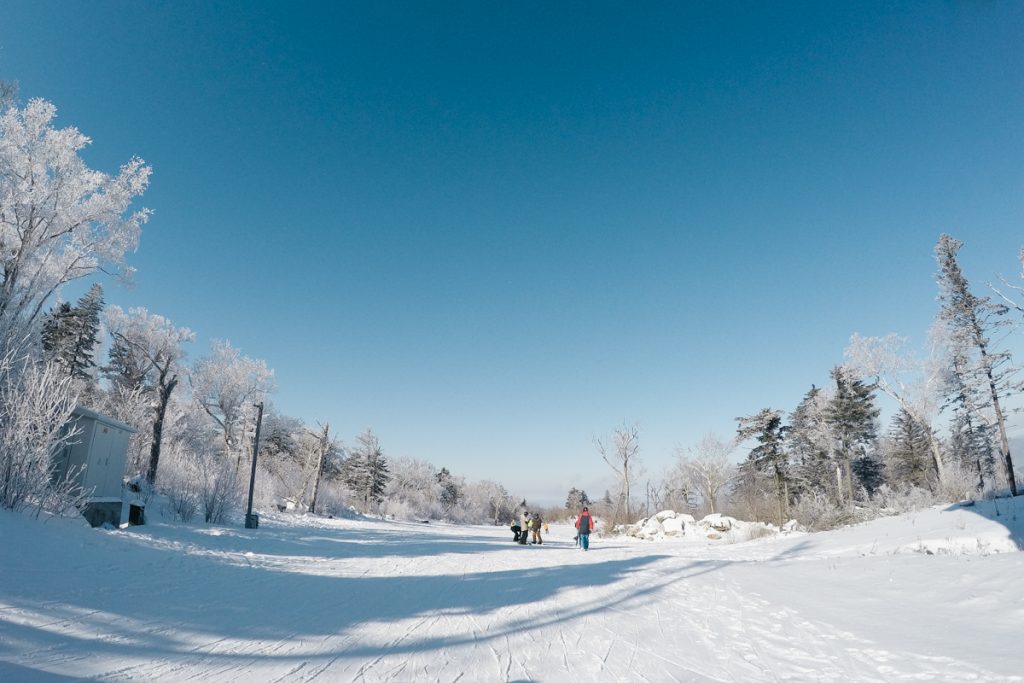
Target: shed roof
{"x":79,"y":411}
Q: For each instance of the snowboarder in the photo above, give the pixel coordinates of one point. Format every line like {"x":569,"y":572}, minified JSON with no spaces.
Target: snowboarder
{"x":584,"y":525}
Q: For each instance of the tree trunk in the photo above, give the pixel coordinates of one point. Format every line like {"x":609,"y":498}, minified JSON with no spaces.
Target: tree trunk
{"x":166,"y":387}
{"x":1004,"y":443}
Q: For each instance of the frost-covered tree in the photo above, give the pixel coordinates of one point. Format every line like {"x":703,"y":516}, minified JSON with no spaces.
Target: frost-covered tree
{"x":910,"y":455}
{"x":227,"y":385}
{"x":708,"y":469}
{"x":59,"y":219}
{"x":620,"y":452}
{"x":327,"y":452}
{"x":36,"y":400}
{"x":810,"y":442}
{"x":365,"y":470}
{"x":71,"y":334}
{"x":915,"y":386}
{"x":972,"y":439}
{"x":972,"y":321}
{"x":487,"y":501}
{"x":451,"y":490}
{"x":852,"y":416}
{"x":769,"y":456}
{"x":576,"y":499}
{"x":145,"y":358}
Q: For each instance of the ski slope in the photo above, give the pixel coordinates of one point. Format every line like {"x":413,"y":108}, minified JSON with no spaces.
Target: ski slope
{"x":936,"y":595}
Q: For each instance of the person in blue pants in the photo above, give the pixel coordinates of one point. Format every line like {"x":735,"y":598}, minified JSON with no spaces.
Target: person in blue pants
{"x":584,"y":525}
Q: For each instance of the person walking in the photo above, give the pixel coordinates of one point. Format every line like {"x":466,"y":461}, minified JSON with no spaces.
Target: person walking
{"x":584,"y":525}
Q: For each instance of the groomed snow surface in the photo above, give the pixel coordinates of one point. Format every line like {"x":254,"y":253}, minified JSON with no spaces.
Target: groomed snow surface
{"x":934,"y":595}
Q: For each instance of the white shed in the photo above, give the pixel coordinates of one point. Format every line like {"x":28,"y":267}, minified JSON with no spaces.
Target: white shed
{"x":96,"y":461}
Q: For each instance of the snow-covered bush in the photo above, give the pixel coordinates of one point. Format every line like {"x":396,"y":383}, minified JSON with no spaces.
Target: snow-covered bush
{"x":36,"y":401}
{"x":818,"y":512}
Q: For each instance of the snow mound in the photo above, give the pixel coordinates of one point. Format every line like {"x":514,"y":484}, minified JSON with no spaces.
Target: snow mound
{"x":966,"y":545}
{"x":670,"y":525}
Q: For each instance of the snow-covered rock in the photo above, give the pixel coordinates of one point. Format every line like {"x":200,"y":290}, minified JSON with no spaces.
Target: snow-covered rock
{"x":674,"y":526}
{"x":719,"y":522}
{"x":652,"y":527}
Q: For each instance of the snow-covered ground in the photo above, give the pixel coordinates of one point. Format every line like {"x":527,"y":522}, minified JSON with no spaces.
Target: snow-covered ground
{"x":936,"y":595}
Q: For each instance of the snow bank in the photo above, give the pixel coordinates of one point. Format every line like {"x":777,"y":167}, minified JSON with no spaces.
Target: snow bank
{"x":670,"y":525}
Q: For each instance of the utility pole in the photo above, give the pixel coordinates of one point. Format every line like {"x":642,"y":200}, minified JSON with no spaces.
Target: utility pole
{"x":253,"y":521}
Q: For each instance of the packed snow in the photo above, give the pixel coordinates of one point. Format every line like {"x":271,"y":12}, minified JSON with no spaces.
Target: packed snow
{"x":934,"y":595}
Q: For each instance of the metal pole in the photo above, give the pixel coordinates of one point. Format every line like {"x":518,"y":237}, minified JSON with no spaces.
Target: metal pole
{"x":252,"y":522}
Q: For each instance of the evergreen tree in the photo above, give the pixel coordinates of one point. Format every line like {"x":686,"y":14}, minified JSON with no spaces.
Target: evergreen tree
{"x":70,"y":334}
{"x":809,"y":439}
{"x":576,"y":499}
{"x":768,"y":456}
{"x":972,"y":440}
{"x":972,"y":320}
{"x":852,"y":415}
{"x":451,"y":492}
{"x":910,"y":453}
{"x":365,"y":470}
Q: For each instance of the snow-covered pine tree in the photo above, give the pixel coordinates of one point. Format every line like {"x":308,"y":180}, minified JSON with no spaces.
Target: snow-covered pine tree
{"x":365,"y":470}
{"x":576,"y":499}
{"x":909,"y":451}
{"x":852,"y":416}
{"x":451,"y":492}
{"x":972,"y":440}
{"x":810,"y":445}
{"x":972,"y":321}
{"x":769,"y":456}
{"x":70,"y":335}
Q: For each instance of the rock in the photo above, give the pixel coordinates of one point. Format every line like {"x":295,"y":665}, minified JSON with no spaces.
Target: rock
{"x":652,"y":527}
{"x":719,"y":522}
{"x":674,"y":526}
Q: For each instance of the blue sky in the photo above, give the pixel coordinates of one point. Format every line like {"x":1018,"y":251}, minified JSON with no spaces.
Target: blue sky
{"x":492,"y":231}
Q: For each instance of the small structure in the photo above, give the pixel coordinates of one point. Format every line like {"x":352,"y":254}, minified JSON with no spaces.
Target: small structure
{"x":95,"y":460}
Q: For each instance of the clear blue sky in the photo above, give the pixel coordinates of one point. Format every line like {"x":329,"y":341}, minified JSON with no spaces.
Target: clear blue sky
{"x":492,"y":231}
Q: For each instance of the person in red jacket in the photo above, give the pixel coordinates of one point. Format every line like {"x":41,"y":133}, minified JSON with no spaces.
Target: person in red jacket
{"x":584,"y":525}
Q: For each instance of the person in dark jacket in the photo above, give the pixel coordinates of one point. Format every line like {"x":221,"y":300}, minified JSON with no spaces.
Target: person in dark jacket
{"x":535,"y":523}
{"x":584,"y":525}
{"x":516,"y":530}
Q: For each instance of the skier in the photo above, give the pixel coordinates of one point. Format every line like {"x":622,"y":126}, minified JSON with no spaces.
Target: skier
{"x":516,"y":530}
{"x":584,"y":525}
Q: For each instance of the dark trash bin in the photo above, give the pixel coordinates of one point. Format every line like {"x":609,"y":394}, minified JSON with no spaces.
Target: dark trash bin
{"x":252,"y":521}
{"x":136,"y":514}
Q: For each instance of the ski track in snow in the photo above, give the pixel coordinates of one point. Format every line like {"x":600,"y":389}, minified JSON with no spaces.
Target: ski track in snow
{"x":386,"y":601}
